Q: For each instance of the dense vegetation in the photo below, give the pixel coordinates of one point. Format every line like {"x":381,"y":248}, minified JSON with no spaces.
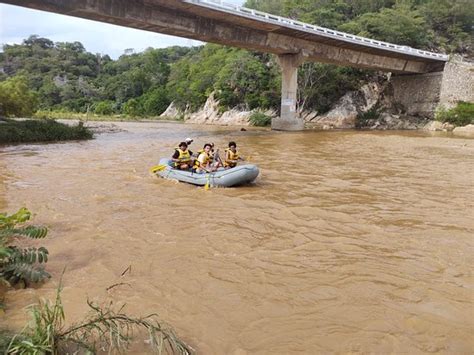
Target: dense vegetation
{"x":461,"y":115}
{"x":31,"y":131}
{"x":65,"y":77}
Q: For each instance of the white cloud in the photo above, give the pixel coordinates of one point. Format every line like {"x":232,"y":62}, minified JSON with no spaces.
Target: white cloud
{"x":17,"y":24}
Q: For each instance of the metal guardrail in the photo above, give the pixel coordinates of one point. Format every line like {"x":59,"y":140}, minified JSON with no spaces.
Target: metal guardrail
{"x":306,"y":27}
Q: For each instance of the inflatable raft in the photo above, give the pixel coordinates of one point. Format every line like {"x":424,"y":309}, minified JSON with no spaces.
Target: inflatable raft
{"x":240,"y":175}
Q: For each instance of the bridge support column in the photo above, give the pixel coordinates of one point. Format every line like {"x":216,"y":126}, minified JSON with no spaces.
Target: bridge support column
{"x":289,"y":120}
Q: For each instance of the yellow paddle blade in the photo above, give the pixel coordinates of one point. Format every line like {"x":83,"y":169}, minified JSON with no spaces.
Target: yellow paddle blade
{"x":207,"y":186}
{"x":157,"y":168}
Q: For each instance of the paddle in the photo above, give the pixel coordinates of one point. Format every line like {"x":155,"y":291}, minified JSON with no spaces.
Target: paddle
{"x":207,"y":187}
{"x":157,"y":168}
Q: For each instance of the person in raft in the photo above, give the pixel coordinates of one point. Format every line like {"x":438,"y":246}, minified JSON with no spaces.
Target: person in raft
{"x":203,"y":162}
{"x":182,"y":157}
{"x":232,"y":156}
{"x":188,"y":141}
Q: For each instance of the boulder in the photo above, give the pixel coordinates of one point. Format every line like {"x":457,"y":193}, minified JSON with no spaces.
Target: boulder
{"x":464,"y":131}
{"x":438,"y":126}
{"x":433,"y":126}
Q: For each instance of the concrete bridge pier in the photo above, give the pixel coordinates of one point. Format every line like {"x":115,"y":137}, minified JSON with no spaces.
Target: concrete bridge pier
{"x":289,"y":120}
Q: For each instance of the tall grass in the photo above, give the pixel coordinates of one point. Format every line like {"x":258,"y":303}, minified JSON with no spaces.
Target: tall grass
{"x":104,"y":329}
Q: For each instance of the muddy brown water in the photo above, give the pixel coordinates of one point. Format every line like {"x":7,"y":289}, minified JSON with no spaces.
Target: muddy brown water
{"x":363,"y":243}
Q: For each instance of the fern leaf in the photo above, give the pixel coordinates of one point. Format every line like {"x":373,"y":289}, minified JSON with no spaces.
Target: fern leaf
{"x":16,"y":271}
{"x":33,"y":232}
{"x":28,"y":256}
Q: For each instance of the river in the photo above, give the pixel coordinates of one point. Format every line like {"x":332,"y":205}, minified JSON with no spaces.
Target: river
{"x":347,"y":242}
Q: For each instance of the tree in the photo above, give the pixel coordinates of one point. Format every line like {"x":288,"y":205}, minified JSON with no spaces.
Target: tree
{"x":16,"y":99}
{"x":400,"y":25}
{"x":274,"y":7}
{"x":249,"y":79}
{"x":155,"y":102}
{"x":451,"y":21}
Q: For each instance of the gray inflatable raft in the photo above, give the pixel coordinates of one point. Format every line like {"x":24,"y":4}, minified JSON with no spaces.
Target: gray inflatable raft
{"x":240,"y":175}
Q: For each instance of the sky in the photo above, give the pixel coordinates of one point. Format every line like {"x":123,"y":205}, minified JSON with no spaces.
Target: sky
{"x":17,"y":24}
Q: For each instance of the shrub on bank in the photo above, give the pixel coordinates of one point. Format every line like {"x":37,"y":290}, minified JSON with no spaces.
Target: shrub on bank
{"x":260,"y":119}
{"x":104,"y":108}
{"x":30,"y":131}
{"x":461,"y":115}
{"x":366,"y":119}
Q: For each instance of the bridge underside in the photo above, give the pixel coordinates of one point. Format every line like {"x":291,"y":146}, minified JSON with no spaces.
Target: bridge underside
{"x":182,"y":19}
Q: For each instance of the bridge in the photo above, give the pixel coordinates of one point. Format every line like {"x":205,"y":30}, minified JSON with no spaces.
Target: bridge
{"x":218,"y":22}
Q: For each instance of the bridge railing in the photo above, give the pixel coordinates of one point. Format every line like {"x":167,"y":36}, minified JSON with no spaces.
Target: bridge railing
{"x":326,"y":32}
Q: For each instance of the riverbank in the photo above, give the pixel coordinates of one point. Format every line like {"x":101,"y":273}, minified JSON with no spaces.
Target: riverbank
{"x":369,"y":108}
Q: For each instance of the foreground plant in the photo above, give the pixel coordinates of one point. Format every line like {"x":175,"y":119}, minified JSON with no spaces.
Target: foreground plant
{"x":21,"y":264}
{"x":103,"y":330}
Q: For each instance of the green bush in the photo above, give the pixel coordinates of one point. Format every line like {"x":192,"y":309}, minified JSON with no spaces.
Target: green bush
{"x":40,"y":131}
{"x":461,"y":115}
{"x":16,"y":100}
{"x":133,"y":108}
{"x":260,"y":119}
{"x":104,"y":108}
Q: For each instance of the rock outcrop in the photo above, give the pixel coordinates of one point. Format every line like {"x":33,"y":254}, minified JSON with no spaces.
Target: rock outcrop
{"x":171,"y":112}
{"x":344,"y":113}
{"x":371,"y":107}
{"x":210,"y":114}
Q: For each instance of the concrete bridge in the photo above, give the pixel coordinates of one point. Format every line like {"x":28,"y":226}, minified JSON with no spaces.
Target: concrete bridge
{"x":217,"y":22}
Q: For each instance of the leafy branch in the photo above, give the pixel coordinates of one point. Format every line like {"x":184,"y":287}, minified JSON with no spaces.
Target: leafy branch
{"x":21,"y":264}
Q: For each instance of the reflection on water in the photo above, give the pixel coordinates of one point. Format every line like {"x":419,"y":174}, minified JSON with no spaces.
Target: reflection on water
{"x":348,"y":241}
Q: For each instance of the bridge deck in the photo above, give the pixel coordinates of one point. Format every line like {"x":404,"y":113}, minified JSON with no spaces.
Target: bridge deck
{"x":241,"y":16}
